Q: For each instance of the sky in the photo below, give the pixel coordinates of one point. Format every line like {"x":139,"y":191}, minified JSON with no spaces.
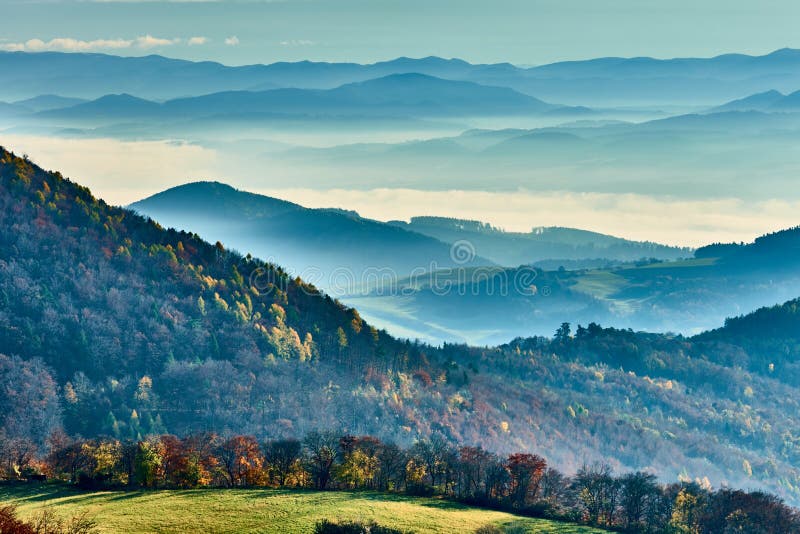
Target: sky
{"x":524,"y":32}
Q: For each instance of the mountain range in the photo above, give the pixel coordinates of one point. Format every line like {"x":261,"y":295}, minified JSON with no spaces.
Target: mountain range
{"x":325,"y":246}
{"x":406,"y":95}
{"x":769,"y":101}
{"x":596,"y":82}
{"x":543,"y":243}
{"x":115,"y":326}
{"x":440,"y":279}
{"x":323,"y":243}
{"x":486,"y":306}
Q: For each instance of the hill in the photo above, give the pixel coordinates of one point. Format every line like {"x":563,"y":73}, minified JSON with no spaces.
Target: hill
{"x":112,"y":326}
{"x":268,"y":511}
{"x":46,"y":102}
{"x":320,"y":244}
{"x":770,"y":101}
{"x":486,"y":306}
{"x":109,"y":106}
{"x":517,"y":248}
{"x":596,"y":82}
{"x":90,"y":76}
{"x":766,"y":339}
{"x":405,"y":95}
{"x":757,"y":102}
{"x":142,"y":300}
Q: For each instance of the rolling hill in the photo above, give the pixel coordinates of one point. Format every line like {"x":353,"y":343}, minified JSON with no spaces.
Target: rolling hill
{"x":328,"y":247}
{"x":405,"y":95}
{"x":599,"y":82}
{"x":485,"y":306}
{"x":46,"y":102}
{"x":517,"y":248}
{"x":408,"y":277}
{"x":270,"y":512}
{"x":111,"y":325}
{"x":768,"y":102}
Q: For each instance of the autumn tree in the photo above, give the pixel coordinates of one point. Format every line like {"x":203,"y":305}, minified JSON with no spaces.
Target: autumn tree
{"x":525,"y":472}
{"x":283,"y":457}
{"x":639,"y":493}
{"x":321,"y":452}
{"x":473,"y":465}
{"x":149,"y":463}
{"x":391,"y":475}
{"x":241,"y":461}
{"x":431,"y":453}
{"x":597,"y":492}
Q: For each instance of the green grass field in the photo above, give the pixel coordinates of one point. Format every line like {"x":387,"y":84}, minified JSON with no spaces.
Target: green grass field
{"x":267,"y":511}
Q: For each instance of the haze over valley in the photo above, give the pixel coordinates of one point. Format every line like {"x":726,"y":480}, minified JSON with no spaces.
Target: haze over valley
{"x":379,"y":268}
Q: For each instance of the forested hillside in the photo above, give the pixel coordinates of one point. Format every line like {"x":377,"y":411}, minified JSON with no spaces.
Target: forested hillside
{"x":113,"y":326}
{"x":332,"y":247}
{"x":110,"y":302}
{"x":517,"y":248}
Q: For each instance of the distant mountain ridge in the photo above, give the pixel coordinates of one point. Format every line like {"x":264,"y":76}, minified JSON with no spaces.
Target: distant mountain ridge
{"x":516,"y":248}
{"x":768,"y":101}
{"x":336,"y":238}
{"x":594,"y":82}
{"x":111,"y":325}
{"x":685,"y":296}
{"x":404,"y":95}
{"x":319,"y":244}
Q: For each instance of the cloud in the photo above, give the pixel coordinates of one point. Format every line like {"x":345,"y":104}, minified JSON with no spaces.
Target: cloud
{"x":121,"y":172}
{"x":68,"y":44}
{"x":232,"y":40}
{"x":297,"y":42}
{"x":148,"y":41}
{"x":193,"y":41}
{"x":640,"y":217}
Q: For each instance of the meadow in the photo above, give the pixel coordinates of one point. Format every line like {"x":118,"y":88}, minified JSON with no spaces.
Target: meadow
{"x":264,"y":511}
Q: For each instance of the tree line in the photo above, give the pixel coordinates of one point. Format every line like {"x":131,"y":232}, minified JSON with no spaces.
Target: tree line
{"x":522,"y":483}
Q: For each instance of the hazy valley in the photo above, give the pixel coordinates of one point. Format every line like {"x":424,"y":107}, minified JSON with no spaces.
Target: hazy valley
{"x":566,"y":291}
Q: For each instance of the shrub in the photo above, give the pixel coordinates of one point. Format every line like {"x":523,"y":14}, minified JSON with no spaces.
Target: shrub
{"x":9,"y":524}
{"x":353,"y":527}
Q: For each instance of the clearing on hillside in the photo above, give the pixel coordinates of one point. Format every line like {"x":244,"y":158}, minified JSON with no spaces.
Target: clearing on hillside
{"x":265,"y":511}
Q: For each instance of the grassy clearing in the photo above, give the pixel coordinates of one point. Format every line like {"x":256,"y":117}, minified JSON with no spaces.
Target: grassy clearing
{"x":265,"y":511}
{"x":681,"y":264}
{"x":600,"y":284}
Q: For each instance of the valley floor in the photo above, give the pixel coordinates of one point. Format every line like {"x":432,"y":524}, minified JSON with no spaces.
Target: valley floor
{"x":266,"y":511}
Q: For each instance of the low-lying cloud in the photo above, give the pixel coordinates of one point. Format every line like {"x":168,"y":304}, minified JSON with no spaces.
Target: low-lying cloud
{"x":69,"y":44}
{"x":297,"y":42}
{"x":634,"y":216}
{"x":122,"y":172}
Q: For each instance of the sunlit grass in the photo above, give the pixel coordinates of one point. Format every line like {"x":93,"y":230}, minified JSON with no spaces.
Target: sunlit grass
{"x":600,"y":284}
{"x":266,"y":511}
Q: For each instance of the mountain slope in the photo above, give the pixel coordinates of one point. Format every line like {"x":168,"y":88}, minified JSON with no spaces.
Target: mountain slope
{"x":405,"y":95}
{"x":47,"y":102}
{"x":110,"y":106}
{"x":107,"y":334}
{"x":333,"y":249}
{"x":757,"y":102}
{"x":517,"y":248}
{"x":122,"y":298}
{"x":485,"y":306}
{"x":768,"y":102}
{"x":596,"y":82}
